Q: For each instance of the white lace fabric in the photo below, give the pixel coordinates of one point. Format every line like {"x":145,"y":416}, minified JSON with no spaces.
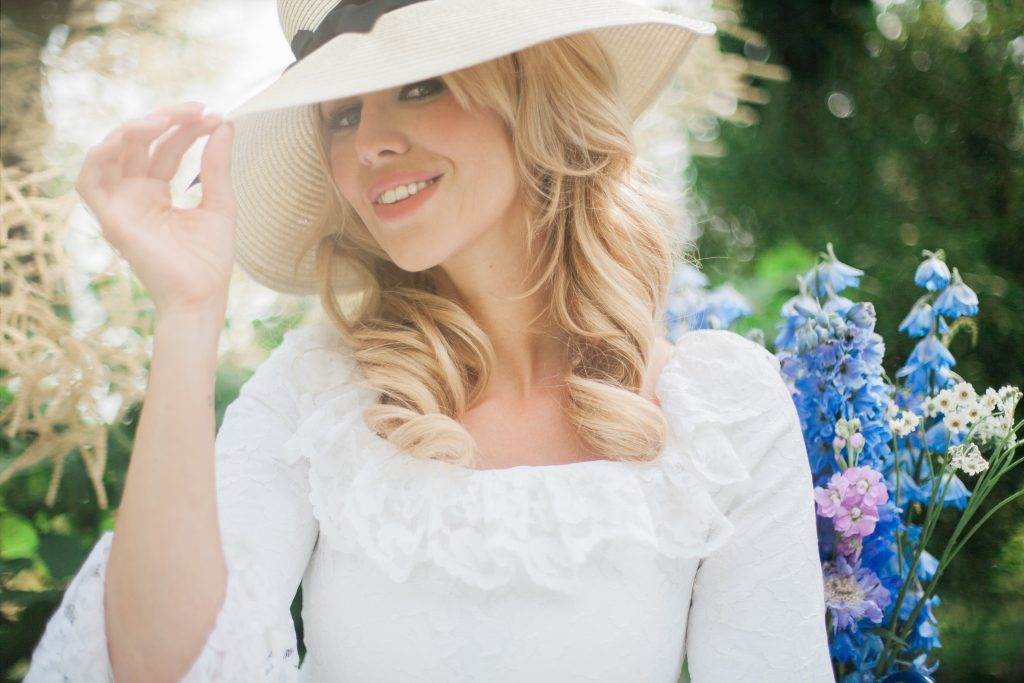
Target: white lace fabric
{"x":592,"y":571}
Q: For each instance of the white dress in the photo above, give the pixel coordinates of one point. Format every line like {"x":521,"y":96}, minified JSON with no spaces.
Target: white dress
{"x":600,"y":571}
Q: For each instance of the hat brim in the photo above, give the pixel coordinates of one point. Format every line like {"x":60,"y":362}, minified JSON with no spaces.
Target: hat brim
{"x":275,"y":174}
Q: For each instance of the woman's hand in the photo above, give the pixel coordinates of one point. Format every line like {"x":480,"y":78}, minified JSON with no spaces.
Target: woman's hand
{"x":184,"y":257}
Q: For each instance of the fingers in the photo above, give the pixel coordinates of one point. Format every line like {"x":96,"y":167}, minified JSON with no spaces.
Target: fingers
{"x":215,"y":171}
{"x":140,"y":133}
{"x":101,"y":169}
{"x":125,"y":153}
{"x":167,"y":156}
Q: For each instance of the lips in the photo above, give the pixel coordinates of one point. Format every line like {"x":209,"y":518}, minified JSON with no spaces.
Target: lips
{"x":396,"y":179}
{"x":396,"y":212}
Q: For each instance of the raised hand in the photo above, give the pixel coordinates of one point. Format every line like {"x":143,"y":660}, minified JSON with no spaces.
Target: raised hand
{"x":183,"y":257}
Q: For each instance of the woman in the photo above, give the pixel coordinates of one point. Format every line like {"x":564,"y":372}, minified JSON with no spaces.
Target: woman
{"x":487,"y":466}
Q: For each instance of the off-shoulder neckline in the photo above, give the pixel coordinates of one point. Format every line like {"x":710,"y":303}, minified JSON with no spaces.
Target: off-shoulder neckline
{"x":391,"y":451}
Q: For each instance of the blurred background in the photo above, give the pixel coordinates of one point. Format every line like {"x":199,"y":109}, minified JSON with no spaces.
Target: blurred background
{"x":882,"y":127}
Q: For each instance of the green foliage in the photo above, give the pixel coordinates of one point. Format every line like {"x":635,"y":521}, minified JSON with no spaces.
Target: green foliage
{"x":44,"y":547}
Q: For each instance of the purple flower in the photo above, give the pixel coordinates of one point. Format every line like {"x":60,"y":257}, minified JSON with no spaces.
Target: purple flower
{"x":829,"y":499}
{"x":933,"y":273}
{"x":850,"y":547}
{"x":857,"y":441}
{"x":855,"y":518}
{"x":868,"y":484}
{"x":853,"y":593}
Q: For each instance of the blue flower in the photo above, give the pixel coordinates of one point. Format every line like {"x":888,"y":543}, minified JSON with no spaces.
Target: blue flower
{"x":684,"y":274}
{"x":691,"y":307}
{"x":919,"y":321}
{"x":832,"y":276}
{"x":956,"y":300}
{"x":721,"y":308}
{"x":925,"y":363}
{"x":862,"y":314}
{"x":933,"y":273}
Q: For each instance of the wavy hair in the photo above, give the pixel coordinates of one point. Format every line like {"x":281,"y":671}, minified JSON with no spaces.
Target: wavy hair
{"x":600,"y":237}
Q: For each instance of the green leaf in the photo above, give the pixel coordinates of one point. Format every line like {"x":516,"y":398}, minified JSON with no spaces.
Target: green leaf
{"x":19,"y":538}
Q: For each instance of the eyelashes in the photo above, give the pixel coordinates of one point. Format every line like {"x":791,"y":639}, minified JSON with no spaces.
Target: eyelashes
{"x":432,"y":86}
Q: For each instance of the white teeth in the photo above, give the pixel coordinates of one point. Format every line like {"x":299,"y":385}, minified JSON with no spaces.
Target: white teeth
{"x":401,"y":192}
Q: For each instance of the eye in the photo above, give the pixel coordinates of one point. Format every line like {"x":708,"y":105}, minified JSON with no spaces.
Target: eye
{"x":337,"y":121}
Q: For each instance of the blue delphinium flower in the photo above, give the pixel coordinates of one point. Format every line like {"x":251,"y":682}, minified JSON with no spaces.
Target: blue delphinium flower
{"x":692,"y":307}
{"x":933,"y":273}
{"x":831,"y":276}
{"x":919,"y":321}
{"x":792,"y":319}
{"x":957,"y":299}
{"x":719,"y":309}
{"x":832,"y":356}
{"x":925,"y":368}
{"x":861,"y":649}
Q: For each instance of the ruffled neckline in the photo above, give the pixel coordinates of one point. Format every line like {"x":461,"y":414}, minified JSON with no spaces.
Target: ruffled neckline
{"x":388,"y":450}
{"x":484,"y":526}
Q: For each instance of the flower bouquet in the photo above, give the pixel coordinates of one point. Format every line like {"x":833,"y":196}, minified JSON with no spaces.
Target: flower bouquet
{"x":886,"y":456}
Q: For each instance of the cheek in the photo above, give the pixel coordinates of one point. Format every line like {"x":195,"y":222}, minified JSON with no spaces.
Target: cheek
{"x":480,"y":149}
{"x":344,"y":175}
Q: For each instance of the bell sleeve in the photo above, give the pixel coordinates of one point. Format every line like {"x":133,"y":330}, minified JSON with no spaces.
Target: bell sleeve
{"x":268,"y":531}
{"x":757,"y":609}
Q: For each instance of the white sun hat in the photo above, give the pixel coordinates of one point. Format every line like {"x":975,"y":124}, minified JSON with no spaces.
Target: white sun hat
{"x":358,"y":46}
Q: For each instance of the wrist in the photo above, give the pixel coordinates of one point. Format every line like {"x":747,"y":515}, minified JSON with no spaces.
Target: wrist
{"x":209,"y":320}
{"x":211,"y":314}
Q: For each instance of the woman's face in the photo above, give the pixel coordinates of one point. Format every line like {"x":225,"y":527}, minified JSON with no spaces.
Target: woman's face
{"x":418,"y":130}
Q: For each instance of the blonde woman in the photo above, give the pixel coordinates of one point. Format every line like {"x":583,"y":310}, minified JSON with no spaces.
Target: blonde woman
{"x":489,"y":465}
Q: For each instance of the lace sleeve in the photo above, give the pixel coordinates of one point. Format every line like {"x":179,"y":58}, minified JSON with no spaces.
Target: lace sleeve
{"x":268,"y":530}
{"x":757,"y":609}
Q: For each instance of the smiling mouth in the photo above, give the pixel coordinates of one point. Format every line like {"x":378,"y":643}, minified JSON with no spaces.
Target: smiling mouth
{"x":420,"y":186}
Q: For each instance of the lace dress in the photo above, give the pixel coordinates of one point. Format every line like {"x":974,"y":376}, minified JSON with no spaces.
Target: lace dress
{"x":420,"y":570}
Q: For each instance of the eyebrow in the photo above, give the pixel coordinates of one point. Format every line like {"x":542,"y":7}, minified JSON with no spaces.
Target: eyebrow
{"x":329,"y":107}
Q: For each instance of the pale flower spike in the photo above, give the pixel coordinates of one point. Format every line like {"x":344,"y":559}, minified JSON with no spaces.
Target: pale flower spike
{"x":968,"y":459}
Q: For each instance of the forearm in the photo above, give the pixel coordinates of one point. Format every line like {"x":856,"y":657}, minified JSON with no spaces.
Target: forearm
{"x":166,"y":575}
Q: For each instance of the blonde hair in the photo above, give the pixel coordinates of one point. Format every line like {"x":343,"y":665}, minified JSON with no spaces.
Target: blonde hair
{"x":599,"y":234}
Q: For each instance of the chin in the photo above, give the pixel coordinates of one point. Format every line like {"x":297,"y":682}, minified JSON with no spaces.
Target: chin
{"x":413,"y":263}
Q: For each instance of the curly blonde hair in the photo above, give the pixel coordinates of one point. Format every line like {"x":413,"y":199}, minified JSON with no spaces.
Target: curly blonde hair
{"x":599,"y":235}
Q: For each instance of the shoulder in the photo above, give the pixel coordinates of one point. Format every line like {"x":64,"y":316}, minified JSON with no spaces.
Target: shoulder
{"x":727,"y":368}
{"x":314,"y":343}
{"x":721,"y":378}
{"x":727,"y":403}
{"x":726,"y":346}
{"x":308,"y":358}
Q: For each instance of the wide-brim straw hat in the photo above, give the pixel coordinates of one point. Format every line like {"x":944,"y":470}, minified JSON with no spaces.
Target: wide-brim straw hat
{"x":360,"y":46}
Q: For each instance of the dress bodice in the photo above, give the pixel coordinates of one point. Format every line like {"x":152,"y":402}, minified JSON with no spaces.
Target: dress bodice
{"x":600,"y":570}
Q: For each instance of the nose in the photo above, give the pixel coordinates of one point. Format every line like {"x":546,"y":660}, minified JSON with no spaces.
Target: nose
{"x":378,"y":135}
